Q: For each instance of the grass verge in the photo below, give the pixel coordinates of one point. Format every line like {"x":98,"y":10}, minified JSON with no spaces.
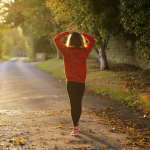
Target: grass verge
{"x":132,"y":87}
{"x":30,"y":60}
{"x":53,"y":65}
{"x":4,"y":58}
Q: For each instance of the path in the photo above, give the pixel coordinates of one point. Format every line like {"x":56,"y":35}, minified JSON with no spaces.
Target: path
{"x":35,"y":111}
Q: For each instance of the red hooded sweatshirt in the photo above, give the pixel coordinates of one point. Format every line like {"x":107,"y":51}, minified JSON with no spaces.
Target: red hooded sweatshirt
{"x":74,"y":59}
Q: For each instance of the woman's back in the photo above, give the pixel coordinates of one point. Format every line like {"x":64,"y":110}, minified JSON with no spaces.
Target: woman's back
{"x":74,"y":59}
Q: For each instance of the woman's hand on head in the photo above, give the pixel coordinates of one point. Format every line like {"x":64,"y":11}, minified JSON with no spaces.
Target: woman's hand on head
{"x":78,"y":31}
{"x":71,"y":31}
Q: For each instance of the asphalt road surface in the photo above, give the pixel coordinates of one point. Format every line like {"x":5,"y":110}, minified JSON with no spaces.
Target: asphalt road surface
{"x":35,"y":113}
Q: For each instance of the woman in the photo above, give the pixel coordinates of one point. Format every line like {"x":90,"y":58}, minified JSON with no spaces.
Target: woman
{"x":75,"y":53}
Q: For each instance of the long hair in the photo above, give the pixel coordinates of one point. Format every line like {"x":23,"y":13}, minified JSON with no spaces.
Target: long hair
{"x":76,"y":41}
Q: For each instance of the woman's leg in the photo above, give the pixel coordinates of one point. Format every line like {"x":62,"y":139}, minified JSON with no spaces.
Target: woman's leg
{"x":80,"y":93}
{"x":75,"y":92}
{"x":72,"y":92}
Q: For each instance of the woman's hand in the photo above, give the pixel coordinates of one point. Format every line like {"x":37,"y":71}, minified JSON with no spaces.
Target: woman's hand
{"x":71,"y":31}
{"x":79,"y":31}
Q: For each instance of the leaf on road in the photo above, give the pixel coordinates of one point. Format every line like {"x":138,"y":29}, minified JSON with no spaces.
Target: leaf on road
{"x":48,"y":114}
{"x":19,"y":141}
{"x":105,"y":146}
{"x":57,"y":112}
{"x":59,"y":126}
{"x":144,"y":117}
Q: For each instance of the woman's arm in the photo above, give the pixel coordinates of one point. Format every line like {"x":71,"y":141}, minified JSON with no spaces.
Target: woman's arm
{"x":57,"y":40}
{"x":90,"y":44}
{"x":90,"y":39}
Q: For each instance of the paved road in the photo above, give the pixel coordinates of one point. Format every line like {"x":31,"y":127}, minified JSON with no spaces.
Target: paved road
{"x":34,"y":106}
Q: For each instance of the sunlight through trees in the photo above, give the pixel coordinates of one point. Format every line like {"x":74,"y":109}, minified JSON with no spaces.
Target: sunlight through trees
{"x":101,"y":19}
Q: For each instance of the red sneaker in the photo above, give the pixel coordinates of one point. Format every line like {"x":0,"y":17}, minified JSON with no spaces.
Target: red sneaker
{"x":75,"y":132}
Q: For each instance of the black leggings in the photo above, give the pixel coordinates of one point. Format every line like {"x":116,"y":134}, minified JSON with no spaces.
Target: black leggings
{"x":75,"y":92}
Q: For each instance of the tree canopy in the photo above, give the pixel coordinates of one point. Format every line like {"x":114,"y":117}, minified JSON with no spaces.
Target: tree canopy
{"x":135,"y":18}
{"x":100,"y":18}
{"x":35,"y":20}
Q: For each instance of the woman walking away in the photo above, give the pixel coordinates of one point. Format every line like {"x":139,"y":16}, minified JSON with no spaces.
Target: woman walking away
{"x":75,"y":53}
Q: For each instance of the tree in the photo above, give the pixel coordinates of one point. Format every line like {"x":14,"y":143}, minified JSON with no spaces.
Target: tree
{"x":135,"y":18}
{"x":99,"y":18}
{"x":3,"y":29}
{"x":42,"y":45}
{"x":35,"y":16}
{"x":41,"y":24}
{"x":14,"y":39}
{"x":30,"y":40}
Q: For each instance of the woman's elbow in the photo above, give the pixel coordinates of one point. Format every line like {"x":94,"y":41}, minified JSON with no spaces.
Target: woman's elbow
{"x":54,"y":39}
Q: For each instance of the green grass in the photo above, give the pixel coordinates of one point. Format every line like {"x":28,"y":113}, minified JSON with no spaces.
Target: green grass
{"x":30,"y":60}
{"x":4,"y":58}
{"x":53,"y":65}
{"x":101,"y":82}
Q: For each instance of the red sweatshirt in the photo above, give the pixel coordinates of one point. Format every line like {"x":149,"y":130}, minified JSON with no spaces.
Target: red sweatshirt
{"x":74,"y":59}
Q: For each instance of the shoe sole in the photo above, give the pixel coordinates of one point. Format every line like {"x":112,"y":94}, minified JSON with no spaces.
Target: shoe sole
{"x":74,"y":134}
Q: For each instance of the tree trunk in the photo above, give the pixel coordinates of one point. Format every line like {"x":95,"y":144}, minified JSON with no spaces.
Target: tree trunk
{"x":59,"y":56}
{"x":103,"y":60}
